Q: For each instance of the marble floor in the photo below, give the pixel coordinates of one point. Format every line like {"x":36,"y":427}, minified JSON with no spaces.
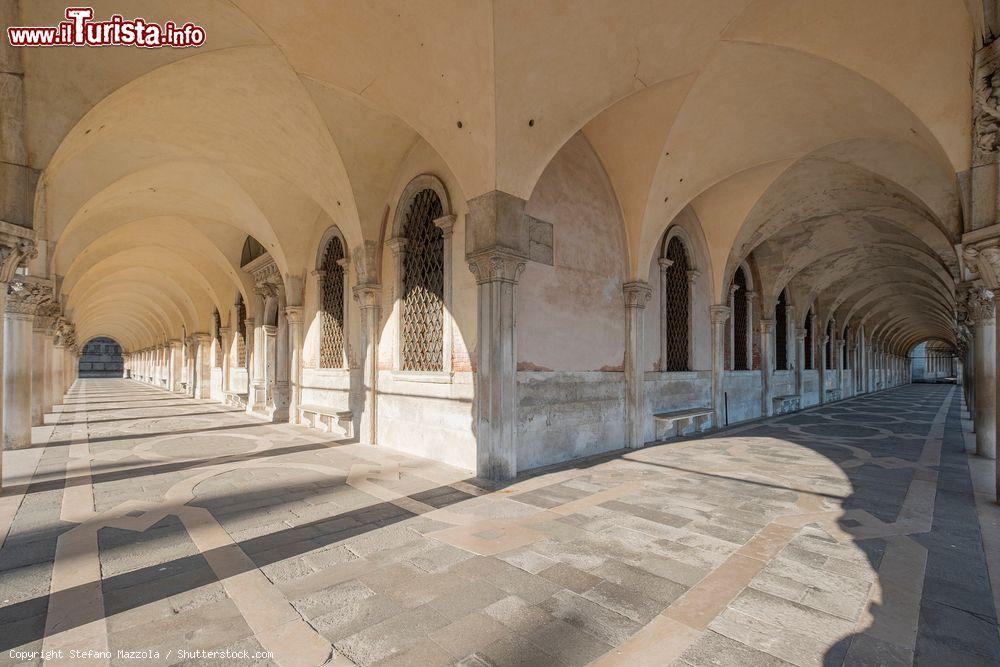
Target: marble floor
{"x":148,"y":528}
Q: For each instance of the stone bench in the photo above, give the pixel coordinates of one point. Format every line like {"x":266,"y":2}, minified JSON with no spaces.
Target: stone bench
{"x":673,"y":424}
{"x":785,"y":404}
{"x":326,"y":418}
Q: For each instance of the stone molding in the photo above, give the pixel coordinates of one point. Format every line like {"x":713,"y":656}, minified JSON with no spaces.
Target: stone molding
{"x":496,"y":265}
{"x":16,"y":250}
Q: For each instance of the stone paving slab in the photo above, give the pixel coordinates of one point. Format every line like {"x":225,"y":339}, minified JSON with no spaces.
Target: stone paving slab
{"x":848,"y":533}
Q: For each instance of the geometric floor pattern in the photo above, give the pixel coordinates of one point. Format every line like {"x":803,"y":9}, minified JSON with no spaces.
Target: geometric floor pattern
{"x":148,"y":528}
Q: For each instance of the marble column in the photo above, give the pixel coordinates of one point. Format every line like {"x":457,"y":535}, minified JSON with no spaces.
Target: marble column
{"x":766,"y":366}
{"x":227,"y":351}
{"x":176,"y":365}
{"x":982,"y":311}
{"x":496,"y":274}
{"x":821,"y":368}
{"x":251,"y":358}
{"x":23,"y":298}
{"x":39,"y":370}
{"x":496,"y":248}
{"x":369,"y":299}
{"x":637,"y":294}
{"x":192,"y":366}
{"x":202,"y":365}
{"x":293,"y":314}
{"x":719,"y":315}
{"x":800,"y":364}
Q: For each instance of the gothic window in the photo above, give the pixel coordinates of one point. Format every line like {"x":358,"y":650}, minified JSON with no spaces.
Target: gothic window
{"x":740,"y":319}
{"x":331,"y":345}
{"x":809,"y":341}
{"x":829,"y":346}
{"x":422,"y":312}
{"x":677,"y":306}
{"x":781,"y":333}
{"x":241,"y":333}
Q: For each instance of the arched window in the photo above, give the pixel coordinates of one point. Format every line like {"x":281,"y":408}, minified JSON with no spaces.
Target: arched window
{"x":217,"y":323}
{"x":241,"y":332}
{"x":829,"y":346}
{"x":677,"y":308}
{"x":809,"y":341}
{"x":331,"y":341}
{"x":740,"y":320}
{"x":781,"y":332}
{"x":422,"y":286}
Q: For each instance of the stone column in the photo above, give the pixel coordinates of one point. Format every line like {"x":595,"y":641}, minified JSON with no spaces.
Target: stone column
{"x":496,"y":248}
{"x":226,"y":333}
{"x":191,"y":362}
{"x":39,"y":370}
{"x":496,"y":274}
{"x":821,"y":368}
{"x":800,"y":364}
{"x":57,"y":374}
{"x":719,"y":315}
{"x":766,"y":366}
{"x":17,"y":372}
{"x":982,"y":310}
{"x":251,"y":359}
{"x":369,"y":299}
{"x":637,"y":294}
{"x":293,"y":314}
{"x":203,"y":365}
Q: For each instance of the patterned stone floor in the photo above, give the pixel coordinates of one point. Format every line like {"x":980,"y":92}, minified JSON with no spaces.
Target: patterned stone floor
{"x":143,"y":525}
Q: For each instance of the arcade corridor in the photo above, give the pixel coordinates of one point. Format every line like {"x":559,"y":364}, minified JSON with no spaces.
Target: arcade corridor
{"x":143,"y":520}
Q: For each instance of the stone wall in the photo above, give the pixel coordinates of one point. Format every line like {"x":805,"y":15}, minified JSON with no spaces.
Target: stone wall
{"x":743,"y":396}
{"x":562,"y":416}
{"x":101,"y":358}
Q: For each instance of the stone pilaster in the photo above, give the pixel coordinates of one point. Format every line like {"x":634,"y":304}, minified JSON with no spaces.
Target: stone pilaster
{"x":766,"y":366}
{"x":496,"y":248}
{"x":719,"y":316}
{"x":368,"y":296}
{"x":226,"y":334}
{"x":821,"y":368}
{"x":293,"y":315}
{"x":800,"y":362}
{"x":496,"y":273}
{"x":23,"y":298}
{"x":637,"y":294}
{"x":202,"y":365}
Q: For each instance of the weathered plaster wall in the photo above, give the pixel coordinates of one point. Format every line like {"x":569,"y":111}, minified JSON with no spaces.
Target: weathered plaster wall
{"x":743,"y":394}
{"x":810,"y":388}
{"x":570,"y":316}
{"x":562,"y":416}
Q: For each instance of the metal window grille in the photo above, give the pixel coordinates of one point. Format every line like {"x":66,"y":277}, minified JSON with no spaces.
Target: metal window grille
{"x":241,"y":333}
{"x":218,"y":339}
{"x":422,"y":325}
{"x":677,"y":311}
{"x":781,"y":333}
{"x":740,"y":323}
{"x":809,"y":340}
{"x":331,"y":343}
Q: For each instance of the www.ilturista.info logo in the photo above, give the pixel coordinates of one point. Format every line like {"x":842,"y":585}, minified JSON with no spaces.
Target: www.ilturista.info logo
{"x":79,"y":30}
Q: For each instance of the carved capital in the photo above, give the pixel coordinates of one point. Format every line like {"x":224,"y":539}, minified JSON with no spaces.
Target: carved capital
{"x":15,"y":252}
{"x":767,"y":326}
{"x":293,"y":314}
{"x":693,"y":276}
{"x":637,"y":293}
{"x":446,"y":223}
{"x":664,"y":263}
{"x":25,"y":296}
{"x":368,"y":295}
{"x":800,"y":334}
{"x":496,"y":265}
{"x":983,"y":258}
{"x":397,"y":245}
{"x":719,"y":313}
{"x":981,"y":305}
